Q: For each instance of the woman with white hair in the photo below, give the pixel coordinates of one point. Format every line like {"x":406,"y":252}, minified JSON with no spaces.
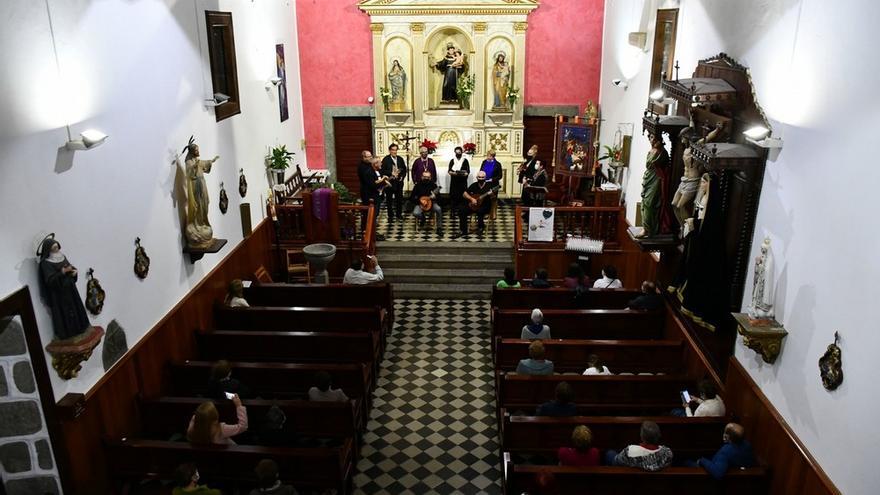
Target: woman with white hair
{"x":537,"y":329}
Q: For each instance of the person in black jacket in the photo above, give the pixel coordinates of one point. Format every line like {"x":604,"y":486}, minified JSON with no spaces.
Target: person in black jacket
{"x":222,"y":382}
{"x":395,"y":169}
{"x":459,"y":169}
{"x":649,"y":300}
{"x":373,"y":183}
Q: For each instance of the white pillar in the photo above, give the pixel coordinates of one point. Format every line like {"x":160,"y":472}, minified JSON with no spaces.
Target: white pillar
{"x":420,"y":72}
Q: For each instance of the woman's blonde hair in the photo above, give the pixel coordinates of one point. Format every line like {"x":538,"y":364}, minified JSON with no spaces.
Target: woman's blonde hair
{"x":206,"y":424}
{"x":582,"y":438}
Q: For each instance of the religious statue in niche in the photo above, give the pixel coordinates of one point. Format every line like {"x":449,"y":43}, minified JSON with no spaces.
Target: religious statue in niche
{"x":242,"y":183}
{"x":75,"y":338}
{"x":683,"y":199}
{"x":224,"y":199}
{"x":397,"y":83}
{"x":198,"y":229}
{"x":831,"y":365}
{"x":94,"y":293}
{"x":501,"y":73}
{"x":141,"y":260}
{"x":762,"y":288}
{"x":656,"y":217}
{"x":452,"y":66}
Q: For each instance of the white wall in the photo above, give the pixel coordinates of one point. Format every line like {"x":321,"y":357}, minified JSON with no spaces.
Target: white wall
{"x":816,"y":71}
{"x":133,"y":70}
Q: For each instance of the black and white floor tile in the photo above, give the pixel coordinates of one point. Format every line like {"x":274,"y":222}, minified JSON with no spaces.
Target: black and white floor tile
{"x":406,"y":229}
{"x":432,"y":428}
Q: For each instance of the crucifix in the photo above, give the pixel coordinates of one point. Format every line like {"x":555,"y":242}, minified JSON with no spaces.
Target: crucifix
{"x":676,"y":70}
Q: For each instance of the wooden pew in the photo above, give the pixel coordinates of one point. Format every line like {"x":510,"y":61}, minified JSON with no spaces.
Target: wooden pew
{"x":276,"y":380}
{"x":617,"y":324}
{"x":607,"y":480}
{"x":165,"y":416}
{"x":570,"y":356}
{"x":687,"y":437}
{"x":560,"y":298}
{"x":318,"y":467}
{"x":313,"y":319}
{"x":633,"y":395}
{"x":326,"y":296}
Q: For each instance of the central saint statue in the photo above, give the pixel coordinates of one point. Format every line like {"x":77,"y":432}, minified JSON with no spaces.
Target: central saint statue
{"x":452,"y":66}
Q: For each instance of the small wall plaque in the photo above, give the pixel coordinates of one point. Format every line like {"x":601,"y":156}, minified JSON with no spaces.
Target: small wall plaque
{"x":224,"y":199}
{"x":94,"y":293}
{"x":141,"y":260}
{"x":242,"y":183}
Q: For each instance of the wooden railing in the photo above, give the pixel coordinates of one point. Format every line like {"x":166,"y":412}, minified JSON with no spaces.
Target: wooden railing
{"x":601,"y":223}
{"x":355,"y":224}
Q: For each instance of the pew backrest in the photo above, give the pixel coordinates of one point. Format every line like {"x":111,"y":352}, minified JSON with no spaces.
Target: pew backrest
{"x":561,"y":298}
{"x":331,"y":295}
{"x":570,"y":355}
{"x":616,"y":324}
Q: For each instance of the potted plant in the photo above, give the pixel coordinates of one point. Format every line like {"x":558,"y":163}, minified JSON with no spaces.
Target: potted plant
{"x":469,"y":148}
{"x":345,"y":196}
{"x":385,"y":93}
{"x":464,"y":90}
{"x":512,"y":96}
{"x":431,"y":145}
{"x":278,"y":161}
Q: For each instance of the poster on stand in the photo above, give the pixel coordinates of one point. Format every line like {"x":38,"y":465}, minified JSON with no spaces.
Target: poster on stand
{"x":541,"y":224}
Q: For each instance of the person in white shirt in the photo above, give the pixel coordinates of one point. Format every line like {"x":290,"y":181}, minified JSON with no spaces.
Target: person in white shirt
{"x":356,"y":275}
{"x":609,"y":279}
{"x":235,"y":295}
{"x":595,"y":366}
{"x":710,"y":404}
{"x":537,"y":330}
{"x":322,"y":392}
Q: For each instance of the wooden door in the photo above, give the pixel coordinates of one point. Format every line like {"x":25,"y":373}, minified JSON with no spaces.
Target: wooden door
{"x":540,"y":131}
{"x":352,"y":135}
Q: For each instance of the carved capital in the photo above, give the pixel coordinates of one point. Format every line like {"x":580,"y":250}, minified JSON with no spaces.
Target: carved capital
{"x":520,"y":27}
{"x":417,"y":27}
{"x":480,"y":27}
{"x":377,"y":28}
{"x":763,"y":336}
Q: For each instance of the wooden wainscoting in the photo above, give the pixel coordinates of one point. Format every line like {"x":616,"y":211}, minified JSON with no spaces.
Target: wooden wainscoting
{"x":110,"y":408}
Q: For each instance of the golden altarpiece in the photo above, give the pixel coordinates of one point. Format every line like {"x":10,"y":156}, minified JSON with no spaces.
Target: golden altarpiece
{"x":426,"y":53}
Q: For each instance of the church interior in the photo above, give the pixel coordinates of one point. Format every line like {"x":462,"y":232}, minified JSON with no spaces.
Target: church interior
{"x":437,"y":246}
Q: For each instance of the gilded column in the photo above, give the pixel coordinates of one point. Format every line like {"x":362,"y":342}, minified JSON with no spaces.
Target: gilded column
{"x":419,"y":72}
{"x":519,"y":73}
{"x":378,"y":71}
{"x":478,"y":66}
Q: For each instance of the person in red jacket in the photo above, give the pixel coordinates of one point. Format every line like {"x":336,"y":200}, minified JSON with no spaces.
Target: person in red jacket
{"x":582,"y":453}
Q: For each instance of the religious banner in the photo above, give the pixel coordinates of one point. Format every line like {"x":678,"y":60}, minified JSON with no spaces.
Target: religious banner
{"x":541,"y":224}
{"x":282,"y":86}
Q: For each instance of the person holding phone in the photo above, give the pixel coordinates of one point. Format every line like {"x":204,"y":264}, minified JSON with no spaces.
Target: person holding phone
{"x":708,"y":404}
{"x":359,"y":274}
{"x":205,"y":427}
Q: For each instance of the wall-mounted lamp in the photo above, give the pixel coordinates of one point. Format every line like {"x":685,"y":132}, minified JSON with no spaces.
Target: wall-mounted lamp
{"x":217,"y":100}
{"x":272,"y":82}
{"x":657,"y":95}
{"x":88,"y":139}
{"x":620,"y":83}
{"x":760,"y":136}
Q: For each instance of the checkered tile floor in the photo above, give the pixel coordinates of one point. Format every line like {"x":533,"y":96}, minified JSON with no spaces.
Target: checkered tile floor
{"x":501,"y":229}
{"x":432,"y":428}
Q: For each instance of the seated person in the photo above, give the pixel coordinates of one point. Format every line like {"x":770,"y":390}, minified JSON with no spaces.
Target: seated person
{"x":539,"y":281}
{"x":736,"y":452}
{"x":562,"y":405}
{"x":481,"y":190}
{"x":205,"y":427}
{"x":709,"y":403}
{"x":649,"y":300}
{"x":582,"y":453}
{"x":595,"y":366}
{"x":509,"y":281}
{"x":272,"y":432}
{"x":648,"y":455}
{"x":357,"y":275}
{"x":222,"y":382}
{"x":426,"y":188}
{"x":575,"y":277}
{"x":535,"y":364}
{"x":322,"y":392}
{"x":609,"y":279}
{"x":235,"y":295}
{"x":186,"y":482}
{"x":268,"y":482}
{"x":537,"y":330}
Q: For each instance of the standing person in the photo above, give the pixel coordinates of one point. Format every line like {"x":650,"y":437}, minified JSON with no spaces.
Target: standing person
{"x":365,"y":174}
{"x":527,"y":168}
{"x":459,"y":169}
{"x":373,"y":184}
{"x":422,"y":163}
{"x":394,"y":167}
{"x":424,"y":197}
{"x":492,"y":168}
{"x":535,"y":197}
{"x":477,"y":196}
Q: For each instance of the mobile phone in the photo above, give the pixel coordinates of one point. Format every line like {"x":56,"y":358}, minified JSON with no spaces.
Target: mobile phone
{"x":685,"y":396}
{"x":229,"y":396}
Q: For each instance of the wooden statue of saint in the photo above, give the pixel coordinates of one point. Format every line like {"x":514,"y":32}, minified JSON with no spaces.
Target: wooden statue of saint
{"x":58,"y":288}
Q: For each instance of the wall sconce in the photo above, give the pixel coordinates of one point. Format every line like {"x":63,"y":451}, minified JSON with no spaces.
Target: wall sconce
{"x":217,"y":100}
{"x":760,"y":137}
{"x":657,"y":95}
{"x":620,"y":83}
{"x":273,"y":82}
{"x":88,"y":139}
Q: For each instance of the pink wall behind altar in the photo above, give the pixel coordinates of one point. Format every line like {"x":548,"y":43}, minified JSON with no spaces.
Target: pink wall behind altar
{"x":563,"y":58}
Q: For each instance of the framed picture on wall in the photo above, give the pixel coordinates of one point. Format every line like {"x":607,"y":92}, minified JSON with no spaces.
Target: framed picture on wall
{"x":282,"y":86}
{"x":574,"y":149}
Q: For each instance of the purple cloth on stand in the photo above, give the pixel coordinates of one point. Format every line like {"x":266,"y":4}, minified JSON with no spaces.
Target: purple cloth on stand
{"x":321,"y":204}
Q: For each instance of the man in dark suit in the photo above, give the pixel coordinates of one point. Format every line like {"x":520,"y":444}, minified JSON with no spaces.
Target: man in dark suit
{"x":394,"y":167}
{"x":365,"y":175}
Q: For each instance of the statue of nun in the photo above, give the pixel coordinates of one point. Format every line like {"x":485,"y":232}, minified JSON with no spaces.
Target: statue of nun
{"x":762,"y":290}
{"x":58,"y":288}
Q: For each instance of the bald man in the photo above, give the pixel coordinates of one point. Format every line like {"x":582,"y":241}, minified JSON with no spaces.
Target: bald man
{"x":474,"y":193}
{"x":735,"y":453}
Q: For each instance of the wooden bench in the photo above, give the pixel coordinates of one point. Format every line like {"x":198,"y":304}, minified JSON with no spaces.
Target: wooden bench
{"x":560,"y":298}
{"x":627,"y":395}
{"x":296,"y":184}
{"x":320,"y":468}
{"x":570,"y":356}
{"x":619,"y":324}
{"x":607,"y":480}
{"x":165,"y":416}
{"x":324,"y":296}
{"x":275,"y":380}
{"x":687,"y":437}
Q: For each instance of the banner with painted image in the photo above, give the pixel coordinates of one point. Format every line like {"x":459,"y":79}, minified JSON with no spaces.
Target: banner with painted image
{"x":541,"y":224}
{"x":282,"y":86}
